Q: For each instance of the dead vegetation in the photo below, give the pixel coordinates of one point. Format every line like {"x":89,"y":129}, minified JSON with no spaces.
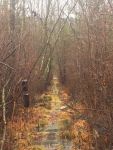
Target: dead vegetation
{"x":73,"y":39}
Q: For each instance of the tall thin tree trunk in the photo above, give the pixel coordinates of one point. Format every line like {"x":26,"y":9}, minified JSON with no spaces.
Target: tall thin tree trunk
{"x":12,"y":15}
{"x":4,"y":118}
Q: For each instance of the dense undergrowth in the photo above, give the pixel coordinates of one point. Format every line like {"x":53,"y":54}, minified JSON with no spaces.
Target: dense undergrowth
{"x":73,"y":39}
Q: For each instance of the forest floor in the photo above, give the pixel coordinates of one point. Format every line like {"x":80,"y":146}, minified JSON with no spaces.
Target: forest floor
{"x":49,"y":125}
{"x":39,"y":127}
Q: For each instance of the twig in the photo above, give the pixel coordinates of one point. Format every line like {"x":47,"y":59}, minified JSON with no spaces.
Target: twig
{"x":91,"y":109}
{"x":7,"y":65}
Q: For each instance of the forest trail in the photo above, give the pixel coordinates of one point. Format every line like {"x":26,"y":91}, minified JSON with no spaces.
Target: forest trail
{"x":39,"y":128}
{"x":53,"y":140}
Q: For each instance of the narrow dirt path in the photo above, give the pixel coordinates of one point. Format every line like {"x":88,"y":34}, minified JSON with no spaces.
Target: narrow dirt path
{"x":53,"y":140}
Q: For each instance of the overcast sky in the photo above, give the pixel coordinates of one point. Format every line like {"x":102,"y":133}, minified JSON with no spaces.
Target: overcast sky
{"x":40,"y":6}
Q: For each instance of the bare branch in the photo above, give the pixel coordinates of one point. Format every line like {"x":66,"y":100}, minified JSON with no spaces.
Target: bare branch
{"x":6,"y":65}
